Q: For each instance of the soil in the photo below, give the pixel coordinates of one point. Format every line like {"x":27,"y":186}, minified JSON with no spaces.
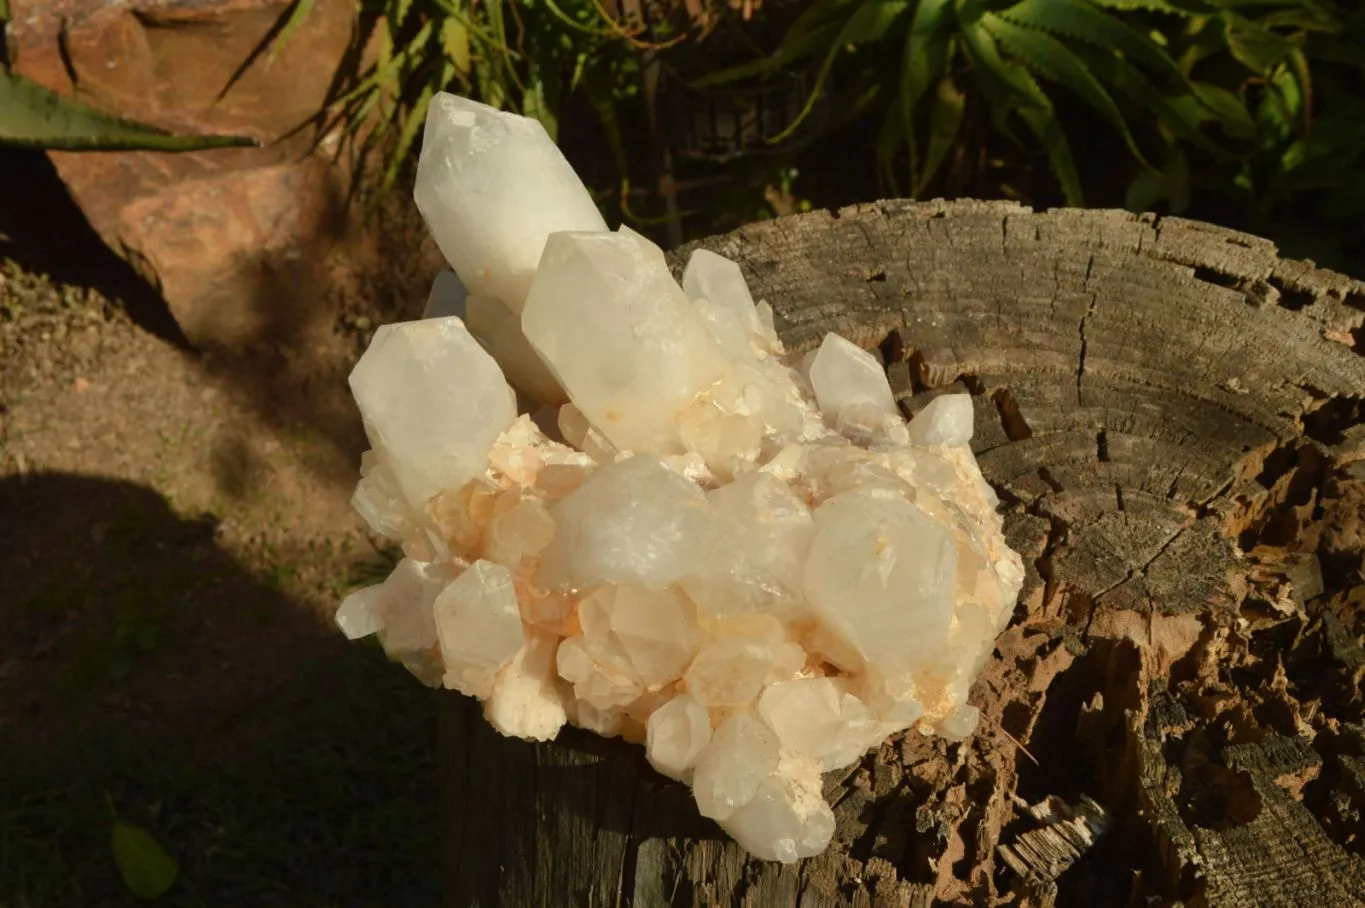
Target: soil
{"x":175,"y":529}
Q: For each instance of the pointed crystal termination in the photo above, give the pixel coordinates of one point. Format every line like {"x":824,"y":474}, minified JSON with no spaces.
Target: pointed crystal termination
{"x":620,"y":335}
{"x":715,"y":278}
{"x":400,"y":611}
{"x":433,"y":403}
{"x":492,"y":187}
{"x":845,"y":375}
{"x":945,"y":420}
{"x":478,"y":622}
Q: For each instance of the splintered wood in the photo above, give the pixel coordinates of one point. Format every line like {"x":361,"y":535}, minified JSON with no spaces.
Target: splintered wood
{"x":1039,"y":856}
{"x":1170,"y":415}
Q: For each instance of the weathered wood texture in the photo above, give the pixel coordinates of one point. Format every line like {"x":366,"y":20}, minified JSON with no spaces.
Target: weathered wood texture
{"x":1171,"y":415}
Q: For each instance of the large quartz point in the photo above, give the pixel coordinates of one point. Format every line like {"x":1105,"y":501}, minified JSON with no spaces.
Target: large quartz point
{"x":433,"y":403}
{"x":492,"y":187}
{"x":742,"y":559}
{"x":621,"y":336}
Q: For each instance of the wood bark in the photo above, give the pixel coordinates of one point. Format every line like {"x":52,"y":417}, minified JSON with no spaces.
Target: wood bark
{"x":1171,"y":416}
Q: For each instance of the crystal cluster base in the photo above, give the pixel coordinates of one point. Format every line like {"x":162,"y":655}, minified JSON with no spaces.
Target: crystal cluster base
{"x":746,"y":561}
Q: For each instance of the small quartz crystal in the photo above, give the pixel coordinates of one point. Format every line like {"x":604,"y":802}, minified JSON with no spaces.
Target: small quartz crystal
{"x":743,"y":559}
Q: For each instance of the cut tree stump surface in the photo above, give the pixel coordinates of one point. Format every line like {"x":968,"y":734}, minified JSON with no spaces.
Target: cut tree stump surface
{"x":1171,"y":415}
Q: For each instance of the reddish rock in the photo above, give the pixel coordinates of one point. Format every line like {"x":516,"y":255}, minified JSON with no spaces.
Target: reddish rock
{"x":214,"y":230}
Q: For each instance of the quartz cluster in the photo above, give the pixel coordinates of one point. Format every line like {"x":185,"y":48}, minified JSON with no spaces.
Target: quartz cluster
{"x":624,"y":506}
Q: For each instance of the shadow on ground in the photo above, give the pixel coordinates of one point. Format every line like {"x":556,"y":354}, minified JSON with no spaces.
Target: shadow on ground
{"x":142,"y":667}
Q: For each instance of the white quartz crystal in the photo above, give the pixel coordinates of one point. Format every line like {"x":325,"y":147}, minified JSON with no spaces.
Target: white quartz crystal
{"x":634,"y":521}
{"x":433,"y":403}
{"x":492,"y":187}
{"x":845,"y":375}
{"x":478,"y":622}
{"x":945,"y":420}
{"x":678,"y":732}
{"x":498,"y":328}
{"x":621,"y":336}
{"x":744,"y":560}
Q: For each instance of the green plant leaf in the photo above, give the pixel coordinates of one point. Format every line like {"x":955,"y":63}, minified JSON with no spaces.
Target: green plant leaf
{"x":818,"y":19}
{"x":147,"y":870}
{"x":945,"y":120}
{"x":1082,"y":21}
{"x":297,"y":12}
{"x":1180,"y":115}
{"x":872,"y":21}
{"x":926,"y":56}
{"x":455,"y":43}
{"x":1171,"y":185}
{"x":1048,"y":131}
{"x":1257,"y":48}
{"x":1154,"y":6}
{"x":34,"y":116}
{"x":535,"y":105}
{"x":1009,"y":88}
{"x":1228,"y":109}
{"x":1051,"y":59}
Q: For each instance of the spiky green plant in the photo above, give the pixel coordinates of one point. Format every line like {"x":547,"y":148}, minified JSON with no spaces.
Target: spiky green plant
{"x":523,"y":55}
{"x":1125,"y":60}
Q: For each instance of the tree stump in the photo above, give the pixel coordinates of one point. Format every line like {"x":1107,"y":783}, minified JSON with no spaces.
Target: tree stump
{"x":1171,"y":416}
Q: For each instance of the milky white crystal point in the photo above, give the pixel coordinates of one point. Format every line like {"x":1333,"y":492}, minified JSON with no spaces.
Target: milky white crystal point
{"x":743,"y":752}
{"x":447,"y":296}
{"x":433,"y":402}
{"x":678,"y":732}
{"x":945,"y":420}
{"x":356,"y":617}
{"x":492,"y":186}
{"x":754,"y":558}
{"x":400,"y":610}
{"x":713,"y":277}
{"x":844,"y":374}
{"x":633,"y":521}
{"x":881,"y":575}
{"x":787,"y":818}
{"x":479,"y":624}
{"x":621,"y":337}
{"x":498,"y":328}
{"x":526,"y":701}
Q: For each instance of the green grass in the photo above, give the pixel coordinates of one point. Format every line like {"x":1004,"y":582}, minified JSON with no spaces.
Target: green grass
{"x":333,"y":803}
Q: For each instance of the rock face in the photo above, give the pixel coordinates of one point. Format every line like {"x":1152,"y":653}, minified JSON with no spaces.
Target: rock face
{"x":233,"y":238}
{"x":752,"y":566}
